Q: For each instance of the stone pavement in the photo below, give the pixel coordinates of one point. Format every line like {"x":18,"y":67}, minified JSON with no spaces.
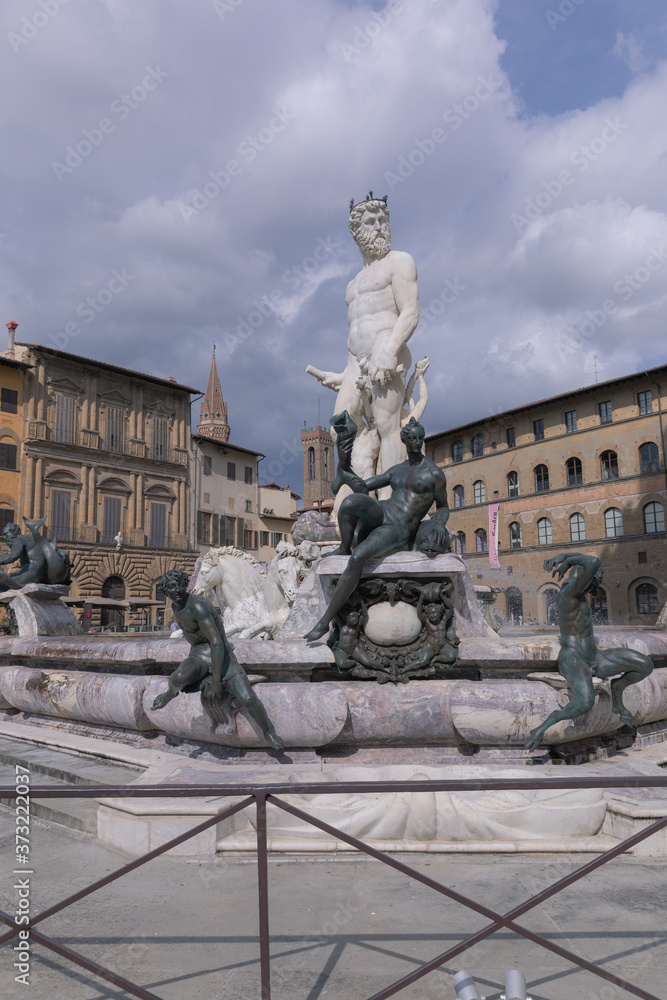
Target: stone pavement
{"x":342,"y":927}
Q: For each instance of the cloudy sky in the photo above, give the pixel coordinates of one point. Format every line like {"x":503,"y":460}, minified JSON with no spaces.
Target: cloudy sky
{"x":177,"y":173}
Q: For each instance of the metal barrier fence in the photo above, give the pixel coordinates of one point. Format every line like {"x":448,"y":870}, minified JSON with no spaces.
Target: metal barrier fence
{"x":260,"y":795}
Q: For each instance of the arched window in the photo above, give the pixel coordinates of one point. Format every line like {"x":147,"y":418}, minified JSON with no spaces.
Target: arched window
{"x":460,"y":543}
{"x":648,"y":457}
{"x":311,"y":463}
{"x":541,"y":478}
{"x":609,"y":465}
{"x":613,"y":522}
{"x":647,"y":599}
{"x":459,"y":496}
{"x":326,"y":463}
{"x":574,"y":474}
{"x":551,"y":597}
{"x":457,"y":451}
{"x":480,"y":540}
{"x":577,"y":528}
{"x":513,"y":484}
{"x":544,"y":534}
{"x":598,"y":599}
{"x":514,"y":605}
{"x":515,"y":535}
{"x":480,"y":491}
{"x":654,"y":518}
{"x":477,"y":446}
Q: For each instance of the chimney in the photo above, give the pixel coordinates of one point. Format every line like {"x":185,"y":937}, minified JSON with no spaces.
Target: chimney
{"x":11,"y":326}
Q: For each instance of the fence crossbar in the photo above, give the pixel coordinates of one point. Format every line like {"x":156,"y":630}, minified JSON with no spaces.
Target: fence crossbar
{"x":499,"y":921}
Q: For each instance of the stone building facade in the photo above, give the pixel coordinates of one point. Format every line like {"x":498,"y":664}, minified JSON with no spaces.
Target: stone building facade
{"x":12,"y":373}
{"x":318,"y":466}
{"x":582,"y":471}
{"x":105,"y":455}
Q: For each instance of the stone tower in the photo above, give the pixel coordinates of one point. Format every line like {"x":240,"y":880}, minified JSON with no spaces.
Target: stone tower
{"x":318,"y":465}
{"x":213,"y":414}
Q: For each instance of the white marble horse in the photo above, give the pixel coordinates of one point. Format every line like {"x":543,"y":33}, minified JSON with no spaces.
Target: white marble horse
{"x":255,"y":600}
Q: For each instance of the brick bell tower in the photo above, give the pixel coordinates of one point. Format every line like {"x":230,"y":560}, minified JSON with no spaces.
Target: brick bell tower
{"x":318,"y":465}
{"x":213,"y":413}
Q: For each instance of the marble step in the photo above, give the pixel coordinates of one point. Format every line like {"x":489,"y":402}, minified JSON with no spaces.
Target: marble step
{"x":49,"y":766}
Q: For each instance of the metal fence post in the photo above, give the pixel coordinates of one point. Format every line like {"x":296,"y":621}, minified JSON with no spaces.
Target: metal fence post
{"x":263,"y":896}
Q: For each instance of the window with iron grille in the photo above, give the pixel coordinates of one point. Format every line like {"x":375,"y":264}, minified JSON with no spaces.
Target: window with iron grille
{"x":459,"y":496}
{"x":606,"y":415}
{"x":61,"y":501}
{"x":513,"y":484}
{"x":544,"y":533}
{"x":510,"y":437}
{"x":111,"y":522}
{"x":515,"y":535}
{"x":609,"y":465}
{"x":574,"y":472}
{"x":480,"y":540}
{"x":479,"y":491}
{"x":649,"y":458}
{"x":460,"y":543}
{"x":231,"y":470}
{"x":577,"y":528}
{"x":8,"y":453}
{"x":115,"y":429}
{"x":538,"y":430}
{"x":647,"y":599}
{"x":541,"y":478}
{"x":9,"y":400}
{"x":645,"y":402}
{"x":570,"y":421}
{"x":248,"y":475}
{"x":64,"y":430}
{"x":248,"y":506}
{"x":477,"y":446}
{"x":613,"y":522}
{"x":457,"y":451}
{"x":160,"y":440}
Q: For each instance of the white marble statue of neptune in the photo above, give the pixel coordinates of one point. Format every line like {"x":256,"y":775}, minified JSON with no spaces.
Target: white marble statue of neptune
{"x":382,"y":312}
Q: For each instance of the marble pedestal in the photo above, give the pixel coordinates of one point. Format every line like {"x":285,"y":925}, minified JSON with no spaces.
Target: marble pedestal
{"x":39,"y":610}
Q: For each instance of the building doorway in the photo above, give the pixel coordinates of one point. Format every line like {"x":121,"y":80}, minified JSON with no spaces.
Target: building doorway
{"x":514,"y":606}
{"x":551,"y":597}
{"x":114,"y":588}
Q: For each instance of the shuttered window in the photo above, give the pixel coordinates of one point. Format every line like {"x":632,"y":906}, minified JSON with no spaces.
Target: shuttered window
{"x":230,"y":532}
{"x":61,"y":502}
{"x":159,"y":440}
{"x":111,"y":520}
{"x":6,"y":517}
{"x":158,"y":525}
{"x":115,"y":429}
{"x":64,"y":419}
{"x":7,"y":455}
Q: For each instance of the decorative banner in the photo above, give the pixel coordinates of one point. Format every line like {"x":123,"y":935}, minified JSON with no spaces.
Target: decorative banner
{"x":493,"y":536}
